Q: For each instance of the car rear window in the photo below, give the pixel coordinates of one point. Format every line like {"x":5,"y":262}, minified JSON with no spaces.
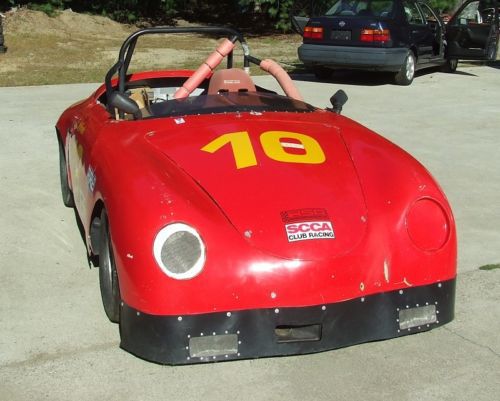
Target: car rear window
{"x":373,"y":8}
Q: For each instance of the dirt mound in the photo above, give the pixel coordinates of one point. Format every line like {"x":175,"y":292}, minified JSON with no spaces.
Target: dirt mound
{"x":27,"y":22}
{"x":73,"y":47}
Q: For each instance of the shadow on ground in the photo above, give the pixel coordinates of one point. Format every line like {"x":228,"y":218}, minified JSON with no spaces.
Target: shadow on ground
{"x":361,"y":78}
{"x":367,"y":78}
{"x":492,"y":64}
{"x":92,"y":260}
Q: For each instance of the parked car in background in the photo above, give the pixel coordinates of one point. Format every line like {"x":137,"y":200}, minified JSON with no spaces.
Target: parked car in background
{"x":399,"y":36}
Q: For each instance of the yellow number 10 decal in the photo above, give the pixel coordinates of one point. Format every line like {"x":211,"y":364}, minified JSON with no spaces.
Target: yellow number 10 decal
{"x":276,"y":145}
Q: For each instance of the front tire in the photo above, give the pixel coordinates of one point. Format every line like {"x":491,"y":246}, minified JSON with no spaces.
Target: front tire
{"x":450,"y":65}
{"x":67,"y":194}
{"x":108,"y":277}
{"x":407,"y":72}
{"x":492,"y":51}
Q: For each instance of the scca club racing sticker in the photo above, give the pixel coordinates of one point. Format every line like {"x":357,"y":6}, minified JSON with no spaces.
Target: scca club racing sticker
{"x":307,"y":224}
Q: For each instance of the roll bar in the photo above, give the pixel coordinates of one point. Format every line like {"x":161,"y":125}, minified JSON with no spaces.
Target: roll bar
{"x":118,"y":98}
{"x":128,"y":47}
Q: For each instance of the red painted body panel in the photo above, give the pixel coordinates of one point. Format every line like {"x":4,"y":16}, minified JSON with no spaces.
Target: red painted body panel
{"x":253,"y":198}
{"x":150,"y":173}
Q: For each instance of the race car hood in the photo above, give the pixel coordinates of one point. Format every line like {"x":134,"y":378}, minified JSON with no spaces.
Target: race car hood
{"x":288,"y":186}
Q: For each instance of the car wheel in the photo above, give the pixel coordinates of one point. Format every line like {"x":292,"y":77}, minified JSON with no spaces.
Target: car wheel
{"x":492,"y":52}
{"x":407,"y":72}
{"x":322,"y":73}
{"x":67,"y":195}
{"x":108,"y":277}
{"x":450,"y":65}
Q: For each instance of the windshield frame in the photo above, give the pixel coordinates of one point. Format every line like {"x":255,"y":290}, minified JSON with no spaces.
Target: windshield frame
{"x":231,"y":102}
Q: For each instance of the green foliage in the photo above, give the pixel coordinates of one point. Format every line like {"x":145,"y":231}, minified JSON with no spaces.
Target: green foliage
{"x":490,"y":267}
{"x":276,"y":12}
{"x":444,"y":5}
{"x":254,"y":14}
{"x":49,"y":7}
{"x":128,"y":11}
{"x":257,"y":14}
{"x":279,"y":12}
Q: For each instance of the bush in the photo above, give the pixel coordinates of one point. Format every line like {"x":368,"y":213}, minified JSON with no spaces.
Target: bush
{"x":258,"y":15}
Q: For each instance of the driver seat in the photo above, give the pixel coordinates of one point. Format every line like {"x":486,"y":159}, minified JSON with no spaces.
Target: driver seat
{"x":230,"y":80}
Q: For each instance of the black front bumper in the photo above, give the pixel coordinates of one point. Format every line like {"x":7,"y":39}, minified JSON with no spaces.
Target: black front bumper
{"x":257,"y":333}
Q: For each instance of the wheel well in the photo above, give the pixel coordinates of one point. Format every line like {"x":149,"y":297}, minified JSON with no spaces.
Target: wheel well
{"x":58,"y":134}
{"x":95,"y":227}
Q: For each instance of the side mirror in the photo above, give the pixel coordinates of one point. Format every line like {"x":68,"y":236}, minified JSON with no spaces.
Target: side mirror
{"x":124,"y":104}
{"x":338,"y":100}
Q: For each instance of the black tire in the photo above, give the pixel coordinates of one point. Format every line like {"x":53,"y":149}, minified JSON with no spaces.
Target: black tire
{"x":67,"y":195}
{"x":108,"y":277}
{"x":407,"y":72}
{"x":492,"y":51}
{"x":450,"y":65}
{"x":322,"y":73}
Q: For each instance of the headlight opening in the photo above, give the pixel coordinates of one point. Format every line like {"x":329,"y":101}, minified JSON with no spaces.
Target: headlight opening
{"x":428,"y":224}
{"x":179,"y":251}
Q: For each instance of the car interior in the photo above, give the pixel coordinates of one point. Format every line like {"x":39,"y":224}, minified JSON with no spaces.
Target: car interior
{"x":208,"y":89}
{"x":367,"y":8}
{"x":228,"y":89}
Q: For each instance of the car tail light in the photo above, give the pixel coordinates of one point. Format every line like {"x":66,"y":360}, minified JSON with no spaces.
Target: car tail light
{"x":375,"y":35}
{"x":313,"y":32}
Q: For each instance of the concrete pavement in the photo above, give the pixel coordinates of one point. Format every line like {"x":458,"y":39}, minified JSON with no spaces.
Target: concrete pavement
{"x":57,"y":344}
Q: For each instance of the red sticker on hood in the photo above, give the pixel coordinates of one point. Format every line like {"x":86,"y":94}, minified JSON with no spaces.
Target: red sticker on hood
{"x":303,"y":215}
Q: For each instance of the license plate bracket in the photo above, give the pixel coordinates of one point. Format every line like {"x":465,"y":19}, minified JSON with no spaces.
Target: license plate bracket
{"x":341,"y":35}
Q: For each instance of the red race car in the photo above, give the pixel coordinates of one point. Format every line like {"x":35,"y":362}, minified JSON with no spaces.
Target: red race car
{"x":231,"y":222}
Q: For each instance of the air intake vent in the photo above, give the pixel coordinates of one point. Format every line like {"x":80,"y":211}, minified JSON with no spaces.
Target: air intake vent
{"x":292,"y":334}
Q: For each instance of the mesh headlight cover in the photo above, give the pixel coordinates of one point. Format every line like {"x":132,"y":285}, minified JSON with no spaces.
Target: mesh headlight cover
{"x":179,"y":251}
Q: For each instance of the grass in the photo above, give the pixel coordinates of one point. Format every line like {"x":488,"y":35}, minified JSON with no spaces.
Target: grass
{"x":490,"y":267}
{"x":46,"y":59}
{"x":41,"y":56}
